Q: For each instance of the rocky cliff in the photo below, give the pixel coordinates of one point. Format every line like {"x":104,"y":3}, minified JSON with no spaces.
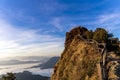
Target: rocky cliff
{"x":79,"y":58}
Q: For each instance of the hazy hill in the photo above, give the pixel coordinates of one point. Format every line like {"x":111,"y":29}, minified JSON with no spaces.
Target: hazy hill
{"x":48,"y":64}
{"x":26,"y":75}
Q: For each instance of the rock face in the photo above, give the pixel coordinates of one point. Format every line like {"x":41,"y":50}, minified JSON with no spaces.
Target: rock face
{"x":113,"y":66}
{"x":70,"y":35}
{"x":82,"y":59}
{"x":79,"y":58}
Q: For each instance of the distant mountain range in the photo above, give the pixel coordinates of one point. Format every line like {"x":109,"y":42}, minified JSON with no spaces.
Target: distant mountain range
{"x":26,"y":75}
{"x":48,"y":64}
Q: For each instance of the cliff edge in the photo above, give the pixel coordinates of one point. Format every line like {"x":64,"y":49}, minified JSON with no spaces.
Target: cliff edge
{"x":84,"y":58}
{"x":79,"y":58}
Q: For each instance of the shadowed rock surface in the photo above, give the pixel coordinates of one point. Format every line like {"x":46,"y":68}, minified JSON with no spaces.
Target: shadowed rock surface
{"x":113,"y":66}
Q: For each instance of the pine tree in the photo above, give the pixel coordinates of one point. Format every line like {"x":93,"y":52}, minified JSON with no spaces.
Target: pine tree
{"x":9,"y":76}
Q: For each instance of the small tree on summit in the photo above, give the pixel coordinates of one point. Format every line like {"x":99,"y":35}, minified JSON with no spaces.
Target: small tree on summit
{"x":100,"y":35}
{"x":89,"y":34}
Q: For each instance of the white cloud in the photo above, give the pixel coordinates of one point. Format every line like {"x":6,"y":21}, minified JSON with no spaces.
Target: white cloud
{"x":108,"y":17}
{"x":47,"y":7}
{"x":62,"y":23}
{"x":19,"y":15}
{"x":56,"y":22}
{"x":110,"y":21}
{"x":17,"y":41}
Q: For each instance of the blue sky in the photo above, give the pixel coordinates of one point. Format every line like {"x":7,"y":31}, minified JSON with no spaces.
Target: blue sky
{"x":38,"y":27}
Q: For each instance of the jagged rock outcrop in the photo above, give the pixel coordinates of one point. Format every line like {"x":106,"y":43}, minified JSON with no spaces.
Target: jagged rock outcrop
{"x":79,"y":58}
{"x":82,"y":53}
{"x":70,"y":35}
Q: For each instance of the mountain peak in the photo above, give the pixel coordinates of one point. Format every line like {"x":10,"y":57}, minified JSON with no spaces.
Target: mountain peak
{"x":87,"y":56}
{"x":75,"y":31}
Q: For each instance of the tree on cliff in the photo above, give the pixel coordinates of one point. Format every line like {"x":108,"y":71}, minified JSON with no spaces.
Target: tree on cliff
{"x":100,"y":35}
{"x":89,"y":34}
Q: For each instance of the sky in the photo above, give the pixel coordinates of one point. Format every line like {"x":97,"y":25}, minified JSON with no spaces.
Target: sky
{"x":38,"y":27}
